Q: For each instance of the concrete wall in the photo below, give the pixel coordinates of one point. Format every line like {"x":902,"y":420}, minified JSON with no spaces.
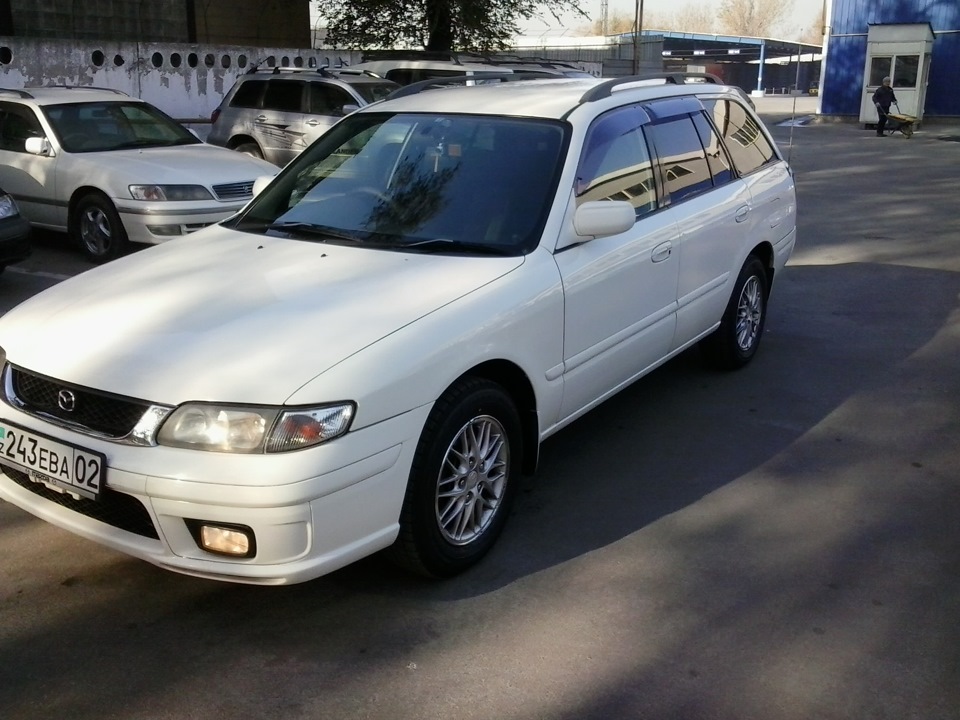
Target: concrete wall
{"x":235,"y":22}
{"x":187,"y":81}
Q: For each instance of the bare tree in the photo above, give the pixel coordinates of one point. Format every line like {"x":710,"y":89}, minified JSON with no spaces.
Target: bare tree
{"x":693,"y":18}
{"x":754,"y":18}
{"x":617,"y":23}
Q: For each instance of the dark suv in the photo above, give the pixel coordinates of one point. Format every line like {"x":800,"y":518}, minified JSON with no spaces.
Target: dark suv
{"x":275,"y":113}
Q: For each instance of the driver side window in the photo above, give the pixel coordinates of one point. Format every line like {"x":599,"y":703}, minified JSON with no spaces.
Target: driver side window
{"x":16,"y":126}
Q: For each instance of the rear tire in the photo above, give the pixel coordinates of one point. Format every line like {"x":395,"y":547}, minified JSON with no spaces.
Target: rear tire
{"x":96,"y":226}
{"x":463,"y":480}
{"x":735,"y":342}
{"x":251,"y":149}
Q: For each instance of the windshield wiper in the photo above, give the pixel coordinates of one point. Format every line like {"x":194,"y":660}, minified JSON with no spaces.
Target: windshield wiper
{"x":311,"y":229}
{"x":441,"y":245}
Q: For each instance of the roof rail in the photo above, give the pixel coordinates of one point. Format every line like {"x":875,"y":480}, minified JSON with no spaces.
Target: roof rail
{"x":605,"y":89}
{"x":26,"y":94}
{"x":418,"y":87}
{"x":15,"y":91}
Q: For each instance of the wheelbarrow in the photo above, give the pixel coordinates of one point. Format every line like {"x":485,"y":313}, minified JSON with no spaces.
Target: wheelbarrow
{"x":899,"y":122}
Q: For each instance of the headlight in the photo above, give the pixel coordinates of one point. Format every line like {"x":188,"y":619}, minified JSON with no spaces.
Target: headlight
{"x":171,"y":193}
{"x":240,"y":429}
{"x":8,"y":208}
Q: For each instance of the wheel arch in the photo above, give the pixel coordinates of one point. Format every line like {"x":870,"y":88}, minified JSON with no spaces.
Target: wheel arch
{"x":75,"y":198}
{"x":764,"y":251}
{"x":517,"y":385}
{"x":238,"y":140}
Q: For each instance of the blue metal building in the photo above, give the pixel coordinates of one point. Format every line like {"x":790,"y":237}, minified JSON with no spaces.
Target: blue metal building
{"x":843,"y":82}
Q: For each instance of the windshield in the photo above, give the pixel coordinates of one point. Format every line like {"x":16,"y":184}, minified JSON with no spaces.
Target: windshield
{"x":100,"y":126}
{"x":373,"y":91}
{"x":418,"y":182}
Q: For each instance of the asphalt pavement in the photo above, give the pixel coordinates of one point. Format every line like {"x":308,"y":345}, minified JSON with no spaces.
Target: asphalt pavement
{"x":779,"y":543}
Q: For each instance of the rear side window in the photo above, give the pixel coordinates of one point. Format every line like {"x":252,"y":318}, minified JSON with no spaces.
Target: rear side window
{"x":248,"y":94}
{"x":748,"y":146}
{"x":682,"y":159}
{"x":717,"y":157}
{"x":284,"y":95}
{"x":615,"y":164}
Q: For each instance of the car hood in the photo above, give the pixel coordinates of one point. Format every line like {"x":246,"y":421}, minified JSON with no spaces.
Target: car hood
{"x":200,"y":163}
{"x":228,"y":316}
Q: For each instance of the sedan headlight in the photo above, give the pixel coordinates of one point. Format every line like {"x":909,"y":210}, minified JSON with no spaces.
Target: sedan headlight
{"x":253,"y":429}
{"x":171,"y":193}
{"x":8,"y":208}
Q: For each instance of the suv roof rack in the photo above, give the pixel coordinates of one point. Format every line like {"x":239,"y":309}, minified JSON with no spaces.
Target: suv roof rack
{"x":605,"y":89}
{"x":278,"y":70}
{"x":418,"y":87}
{"x":459,"y":58}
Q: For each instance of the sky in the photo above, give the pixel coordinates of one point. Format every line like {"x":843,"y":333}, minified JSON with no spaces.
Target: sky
{"x":804,"y":14}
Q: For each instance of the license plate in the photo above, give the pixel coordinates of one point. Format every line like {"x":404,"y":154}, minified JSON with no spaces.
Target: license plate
{"x":54,"y":463}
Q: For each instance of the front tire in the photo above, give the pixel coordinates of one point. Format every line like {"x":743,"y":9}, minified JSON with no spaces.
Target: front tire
{"x":735,"y":342}
{"x":97,"y":228}
{"x":463,"y":480}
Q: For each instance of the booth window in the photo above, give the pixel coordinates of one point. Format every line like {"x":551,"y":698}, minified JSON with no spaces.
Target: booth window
{"x":906,"y":69}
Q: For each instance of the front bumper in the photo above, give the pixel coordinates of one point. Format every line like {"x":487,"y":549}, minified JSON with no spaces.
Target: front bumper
{"x":158,"y":222}
{"x":312,"y":511}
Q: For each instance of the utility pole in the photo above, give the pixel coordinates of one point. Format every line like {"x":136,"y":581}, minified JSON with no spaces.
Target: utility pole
{"x":637,"y":28}
{"x":604,"y":17}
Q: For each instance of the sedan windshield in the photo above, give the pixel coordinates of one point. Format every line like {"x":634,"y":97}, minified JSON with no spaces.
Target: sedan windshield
{"x":465,"y":184}
{"x":102,"y":126}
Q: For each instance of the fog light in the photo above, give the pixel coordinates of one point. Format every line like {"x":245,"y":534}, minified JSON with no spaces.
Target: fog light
{"x":223,"y":539}
{"x":166,"y":230}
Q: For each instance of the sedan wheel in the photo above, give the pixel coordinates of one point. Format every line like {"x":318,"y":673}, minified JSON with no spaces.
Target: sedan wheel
{"x":464,"y":476}
{"x":735,"y":342}
{"x":97,"y":227}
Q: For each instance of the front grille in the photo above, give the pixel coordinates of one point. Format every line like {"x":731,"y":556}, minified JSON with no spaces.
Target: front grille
{"x":102,"y":413}
{"x":113,"y":508}
{"x":234,"y":191}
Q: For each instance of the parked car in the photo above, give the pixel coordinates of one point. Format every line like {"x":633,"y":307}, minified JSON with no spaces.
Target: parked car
{"x":14,"y":232}
{"x":369,"y":354}
{"x":410,"y":66}
{"x":109,"y":168}
{"x":274,"y":113}
{"x":406,"y":69}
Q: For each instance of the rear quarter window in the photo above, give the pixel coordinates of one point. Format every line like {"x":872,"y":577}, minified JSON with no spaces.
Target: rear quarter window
{"x":248,"y":94}
{"x":748,"y":146}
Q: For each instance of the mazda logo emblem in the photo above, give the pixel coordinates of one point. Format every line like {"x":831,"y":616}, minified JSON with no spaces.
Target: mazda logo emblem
{"x":66,"y":400}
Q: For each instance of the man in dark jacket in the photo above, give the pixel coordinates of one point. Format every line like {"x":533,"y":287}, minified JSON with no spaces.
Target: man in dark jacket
{"x":883,"y":98}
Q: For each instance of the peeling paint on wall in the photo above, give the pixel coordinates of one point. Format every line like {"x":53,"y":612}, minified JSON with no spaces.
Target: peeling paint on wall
{"x":185,"y":81}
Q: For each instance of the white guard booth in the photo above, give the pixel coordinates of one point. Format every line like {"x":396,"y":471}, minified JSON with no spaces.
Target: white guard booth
{"x":902,"y":53}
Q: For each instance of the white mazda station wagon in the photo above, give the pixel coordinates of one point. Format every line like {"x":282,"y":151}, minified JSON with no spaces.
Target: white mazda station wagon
{"x":368,"y":355}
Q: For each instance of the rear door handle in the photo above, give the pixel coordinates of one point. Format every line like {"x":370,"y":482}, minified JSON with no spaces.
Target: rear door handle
{"x":312,"y":123}
{"x":261,"y":118}
{"x":742,"y":214}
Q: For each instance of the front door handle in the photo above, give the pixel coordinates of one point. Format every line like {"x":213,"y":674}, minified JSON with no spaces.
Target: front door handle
{"x":661,"y":252}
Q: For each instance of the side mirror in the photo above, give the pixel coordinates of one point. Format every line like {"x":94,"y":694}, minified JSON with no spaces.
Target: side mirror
{"x":349,"y":108}
{"x":260,"y":183}
{"x":38,"y":146}
{"x":600,"y":218}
